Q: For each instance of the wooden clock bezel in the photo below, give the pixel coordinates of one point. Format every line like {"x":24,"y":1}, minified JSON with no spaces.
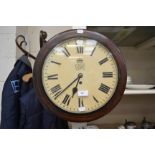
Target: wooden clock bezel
{"x":73,"y":117}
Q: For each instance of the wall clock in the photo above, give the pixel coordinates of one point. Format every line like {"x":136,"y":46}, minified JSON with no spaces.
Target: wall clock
{"x":79,"y":75}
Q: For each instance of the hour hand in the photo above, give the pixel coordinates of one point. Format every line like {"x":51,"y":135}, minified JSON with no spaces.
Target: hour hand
{"x":74,"y":90}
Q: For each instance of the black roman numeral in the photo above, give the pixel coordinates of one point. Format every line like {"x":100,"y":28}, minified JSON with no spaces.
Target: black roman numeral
{"x":104,"y":88}
{"x":103,"y":61}
{"x":80,"y":101}
{"x":53,"y":77}
{"x":93,"y":51}
{"x":79,"y":46}
{"x":56,"y":89}
{"x":95,"y":99}
{"x":79,"y":49}
{"x":56,"y":62}
{"x":107,"y":74}
{"x":65,"y":51}
{"x":66,"y":99}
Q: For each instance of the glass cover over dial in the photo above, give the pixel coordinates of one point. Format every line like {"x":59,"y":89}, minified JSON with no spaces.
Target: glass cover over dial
{"x":80,"y":75}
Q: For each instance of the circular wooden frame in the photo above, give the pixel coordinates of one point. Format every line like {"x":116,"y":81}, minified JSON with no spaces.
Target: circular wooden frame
{"x":37,"y":75}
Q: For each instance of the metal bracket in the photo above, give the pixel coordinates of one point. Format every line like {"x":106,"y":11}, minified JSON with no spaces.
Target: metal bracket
{"x":19,"y":45}
{"x":43,"y":36}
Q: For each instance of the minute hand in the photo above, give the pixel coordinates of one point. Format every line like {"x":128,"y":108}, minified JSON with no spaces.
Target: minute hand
{"x":79,"y":76}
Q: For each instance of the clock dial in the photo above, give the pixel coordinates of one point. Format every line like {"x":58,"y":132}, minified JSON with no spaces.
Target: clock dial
{"x":79,"y":75}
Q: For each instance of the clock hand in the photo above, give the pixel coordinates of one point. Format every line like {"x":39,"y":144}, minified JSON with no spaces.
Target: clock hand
{"x":75,"y":89}
{"x":80,"y":75}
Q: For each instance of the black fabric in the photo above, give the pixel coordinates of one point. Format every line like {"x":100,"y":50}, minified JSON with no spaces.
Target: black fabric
{"x":20,"y":106}
{"x":10,"y":96}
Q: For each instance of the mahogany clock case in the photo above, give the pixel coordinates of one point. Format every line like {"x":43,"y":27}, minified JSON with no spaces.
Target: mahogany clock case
{"x":83,"y":117}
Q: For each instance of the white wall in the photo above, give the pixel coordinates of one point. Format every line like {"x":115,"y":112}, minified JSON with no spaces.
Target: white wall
{"x":7,"y":53}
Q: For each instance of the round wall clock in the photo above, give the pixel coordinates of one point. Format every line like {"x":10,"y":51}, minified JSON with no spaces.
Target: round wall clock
{"x":79,"y":75}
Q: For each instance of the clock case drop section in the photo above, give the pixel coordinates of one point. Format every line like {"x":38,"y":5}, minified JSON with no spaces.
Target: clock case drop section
{"x":80,"y":117}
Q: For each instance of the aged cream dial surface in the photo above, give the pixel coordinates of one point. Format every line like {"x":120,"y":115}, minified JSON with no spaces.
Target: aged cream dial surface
{"x":79,"y":75}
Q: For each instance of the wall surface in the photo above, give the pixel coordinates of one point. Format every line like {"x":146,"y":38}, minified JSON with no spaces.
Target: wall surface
{"x":140,"y":64}
{"x":7,"y":53}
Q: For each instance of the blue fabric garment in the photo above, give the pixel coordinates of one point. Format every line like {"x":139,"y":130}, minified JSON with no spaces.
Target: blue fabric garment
{"x":35,"y":116}
{"x":31,"y":111}
{"x":20,"y":106}
{"x":10,"y":95}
